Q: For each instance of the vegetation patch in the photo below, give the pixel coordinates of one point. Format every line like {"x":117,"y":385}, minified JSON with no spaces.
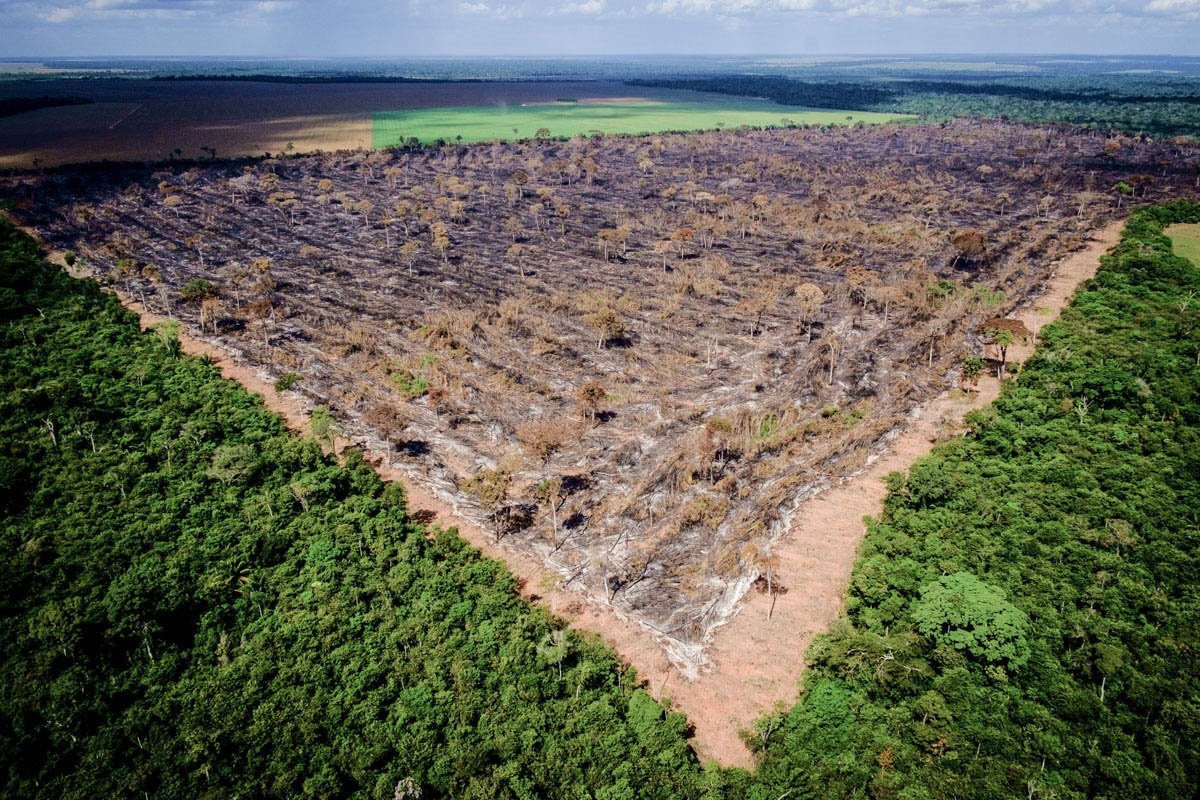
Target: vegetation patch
{"x":1186,"y":241}
{"x":1022,"y":619}
{"x":1164,"y":108}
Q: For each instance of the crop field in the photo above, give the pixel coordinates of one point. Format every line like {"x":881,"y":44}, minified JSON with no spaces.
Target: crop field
{"x":563,"y":119}
{"x":632,"y":358}
{"x":1186,"y":241}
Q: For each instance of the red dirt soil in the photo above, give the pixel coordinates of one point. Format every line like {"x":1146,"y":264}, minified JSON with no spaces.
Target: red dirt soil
{"x":756,"y":659}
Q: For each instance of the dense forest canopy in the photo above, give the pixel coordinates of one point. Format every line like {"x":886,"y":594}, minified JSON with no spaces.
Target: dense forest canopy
{"x":10,"y":106}
{"x":1158,"y":106}
{"x":196,"y":603}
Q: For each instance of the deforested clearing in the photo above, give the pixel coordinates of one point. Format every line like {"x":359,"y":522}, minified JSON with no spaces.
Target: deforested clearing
{"x":632,"y":357}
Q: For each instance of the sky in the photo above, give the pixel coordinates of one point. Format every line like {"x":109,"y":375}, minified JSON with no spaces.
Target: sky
{"x":328,"y":28}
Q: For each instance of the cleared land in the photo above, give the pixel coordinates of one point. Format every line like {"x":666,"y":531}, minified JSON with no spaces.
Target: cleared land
{"x":140,"y":120}
{"x":623,"y":116}
{"x":631,"y":358}
{"x":1186,"y":240}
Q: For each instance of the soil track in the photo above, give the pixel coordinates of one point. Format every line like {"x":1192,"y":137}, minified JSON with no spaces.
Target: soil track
{"x":757,"y":658}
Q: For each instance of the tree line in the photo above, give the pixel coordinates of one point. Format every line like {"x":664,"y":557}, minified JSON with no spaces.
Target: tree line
{"x":1161,"y":109}
{"x":11,"y":106}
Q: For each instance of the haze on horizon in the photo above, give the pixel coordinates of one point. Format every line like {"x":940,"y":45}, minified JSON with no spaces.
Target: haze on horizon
{"x":421,"y":28}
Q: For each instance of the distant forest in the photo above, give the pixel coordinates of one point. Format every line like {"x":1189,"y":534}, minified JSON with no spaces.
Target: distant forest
{"x":353,"y":77}
{"x":196,"y":603}
{"x":1163,"y":108}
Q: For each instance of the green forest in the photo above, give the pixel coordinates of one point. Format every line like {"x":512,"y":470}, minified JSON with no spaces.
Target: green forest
{"x":197,"y":603}
{"x":1156,"y":107}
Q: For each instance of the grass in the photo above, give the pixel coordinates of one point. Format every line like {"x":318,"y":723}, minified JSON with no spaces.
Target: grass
{"x":1186,"y":241}
{"x":565,"y":119}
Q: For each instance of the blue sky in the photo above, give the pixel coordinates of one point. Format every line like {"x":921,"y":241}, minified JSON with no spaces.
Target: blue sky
{"x":586,"y":27}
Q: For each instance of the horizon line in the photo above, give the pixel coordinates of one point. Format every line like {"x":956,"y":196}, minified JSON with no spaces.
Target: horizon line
{"x":590,"y":56}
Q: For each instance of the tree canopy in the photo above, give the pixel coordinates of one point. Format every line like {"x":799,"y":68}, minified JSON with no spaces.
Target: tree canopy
{"x":961,"y":611}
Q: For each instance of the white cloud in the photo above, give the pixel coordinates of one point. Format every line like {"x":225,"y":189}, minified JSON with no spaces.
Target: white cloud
{"x":57,"y":15}
{"x":754,"y":17}
{"x":1173,"y":6}
{"x":136,"y":9}
{"x":583,"y":7}
{"x":888,"y":8}
{"x":1080,"y":10}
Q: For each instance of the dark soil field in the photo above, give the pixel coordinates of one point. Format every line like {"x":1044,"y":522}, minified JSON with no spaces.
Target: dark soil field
{"x":632,"y":357}
{"x":141,"y":120}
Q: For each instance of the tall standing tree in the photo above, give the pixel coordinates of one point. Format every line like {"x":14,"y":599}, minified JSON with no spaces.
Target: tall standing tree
{"x":591,"y":396}
{"x":1003,"y":332}
{"x":440,"y":239}
{"x":390,"y":423}
{"x":833,"y":352}
{"x":409,"y":252}
{"x":608,"y":324}
{"x":519,"y":179}
{"x":550,"y":493}
{"x":516,"y":254}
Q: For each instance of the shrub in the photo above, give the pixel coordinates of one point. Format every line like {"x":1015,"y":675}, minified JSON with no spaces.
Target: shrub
{"x":286,"y":382}
{"x":198,"y":290}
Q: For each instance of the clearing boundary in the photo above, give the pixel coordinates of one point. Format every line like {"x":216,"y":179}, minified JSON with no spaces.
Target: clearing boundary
{"x":757,"y":659}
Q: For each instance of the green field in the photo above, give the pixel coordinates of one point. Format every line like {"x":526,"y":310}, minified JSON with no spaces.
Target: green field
{"x":1186,"y":241}
{"x":565,"y":119}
